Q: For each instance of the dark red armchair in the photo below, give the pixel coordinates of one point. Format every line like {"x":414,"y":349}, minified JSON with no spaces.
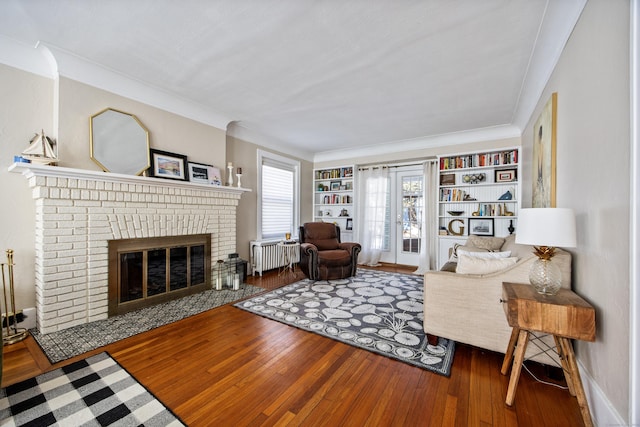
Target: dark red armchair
{"x":323,"y":256}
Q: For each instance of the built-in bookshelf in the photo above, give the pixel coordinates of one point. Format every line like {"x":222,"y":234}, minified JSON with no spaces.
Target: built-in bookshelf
{"x":333,"y":200}
{"x":478,"y":193}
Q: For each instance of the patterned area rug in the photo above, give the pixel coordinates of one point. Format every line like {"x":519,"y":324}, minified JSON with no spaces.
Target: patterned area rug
{"x":92,"y":392}
{"x":62,"y":345}
{"x":376,"y":311}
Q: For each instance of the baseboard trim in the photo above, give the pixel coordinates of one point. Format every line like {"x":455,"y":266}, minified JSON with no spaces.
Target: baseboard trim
{"x":602,"y":412}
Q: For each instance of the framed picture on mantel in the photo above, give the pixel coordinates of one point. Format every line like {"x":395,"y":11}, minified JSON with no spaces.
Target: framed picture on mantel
{"x":168,"y":165}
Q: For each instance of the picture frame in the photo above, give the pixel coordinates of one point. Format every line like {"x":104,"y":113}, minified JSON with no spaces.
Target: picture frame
{"x":506,"y":175}
{"x":198,"y":172}
{"x":481,"y":226}
{"x":335,"y":185}
{"x":349,"y":225}
{"x":544,"y":155}
{"x":168,"y":165}
{"x":215,"y":177}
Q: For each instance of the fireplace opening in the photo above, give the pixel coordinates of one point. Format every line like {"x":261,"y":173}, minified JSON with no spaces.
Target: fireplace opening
{"x":144,"y":272}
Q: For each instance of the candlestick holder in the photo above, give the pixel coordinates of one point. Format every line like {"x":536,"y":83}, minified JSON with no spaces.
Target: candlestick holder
{"x":239,"y":176}
{"x":230,"y":176}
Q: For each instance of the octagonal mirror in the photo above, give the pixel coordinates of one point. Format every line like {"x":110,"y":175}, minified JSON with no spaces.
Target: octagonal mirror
{"x":119,"y":142}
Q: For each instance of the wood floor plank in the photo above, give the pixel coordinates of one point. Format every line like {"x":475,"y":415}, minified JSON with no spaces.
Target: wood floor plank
{"x":230,"y":367}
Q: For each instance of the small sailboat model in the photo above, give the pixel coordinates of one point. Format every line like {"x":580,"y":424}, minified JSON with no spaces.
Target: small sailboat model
{"x":40,"y":150}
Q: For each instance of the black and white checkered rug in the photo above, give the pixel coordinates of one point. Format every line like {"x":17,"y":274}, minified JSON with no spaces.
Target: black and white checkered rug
{"x":63,"y":345}
{"x":92,"y":392}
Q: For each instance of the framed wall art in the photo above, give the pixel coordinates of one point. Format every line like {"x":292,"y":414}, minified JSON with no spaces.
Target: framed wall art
{"x":168,"y":165}
{"x":544,"y":156}
{"x":199,"y":173}
{"x":506,"y":175}
{"x":481,"y":226}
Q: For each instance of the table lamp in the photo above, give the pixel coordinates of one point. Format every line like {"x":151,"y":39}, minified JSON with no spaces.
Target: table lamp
{"x":546,"y":229}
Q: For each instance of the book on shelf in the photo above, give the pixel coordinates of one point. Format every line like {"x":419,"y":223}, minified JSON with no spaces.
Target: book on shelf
{"x":508,"y":157}
{"x":335,"y":173}
{"x":452,"y":195}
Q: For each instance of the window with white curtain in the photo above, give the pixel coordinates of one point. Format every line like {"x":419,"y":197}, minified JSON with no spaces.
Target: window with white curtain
{"x":278,"y":201}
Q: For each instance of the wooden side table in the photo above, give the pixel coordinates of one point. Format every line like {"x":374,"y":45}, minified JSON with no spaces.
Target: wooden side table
{"x":565,"y":315}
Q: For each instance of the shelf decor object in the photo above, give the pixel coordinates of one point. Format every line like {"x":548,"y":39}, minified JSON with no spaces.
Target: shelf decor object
{"x":546,"y":229}
{"x":230,"y":174}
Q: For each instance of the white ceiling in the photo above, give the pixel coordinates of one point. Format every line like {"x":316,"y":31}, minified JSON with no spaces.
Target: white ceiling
{"x":320,"y":78}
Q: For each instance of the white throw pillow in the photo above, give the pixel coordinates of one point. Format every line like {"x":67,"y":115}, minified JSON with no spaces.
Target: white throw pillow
{"x":473,"y":265}
{"x":485,"y":255}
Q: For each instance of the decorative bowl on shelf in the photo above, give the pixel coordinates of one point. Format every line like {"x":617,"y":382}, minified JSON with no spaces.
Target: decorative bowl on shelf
{"x":455,"y":213}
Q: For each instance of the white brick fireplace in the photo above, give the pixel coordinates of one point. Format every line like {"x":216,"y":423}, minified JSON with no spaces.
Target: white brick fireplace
{"x":79,"y":211}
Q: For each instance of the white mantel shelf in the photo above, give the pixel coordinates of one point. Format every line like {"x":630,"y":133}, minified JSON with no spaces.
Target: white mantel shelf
{"x":32,"y":169}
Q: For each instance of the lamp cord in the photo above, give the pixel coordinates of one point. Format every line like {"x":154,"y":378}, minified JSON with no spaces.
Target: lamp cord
{"x":544,"y":382}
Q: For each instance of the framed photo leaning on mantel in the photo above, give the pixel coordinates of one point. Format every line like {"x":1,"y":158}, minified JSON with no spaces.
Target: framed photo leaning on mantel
{"x":199,"y":173}
{"x":168,"y":165}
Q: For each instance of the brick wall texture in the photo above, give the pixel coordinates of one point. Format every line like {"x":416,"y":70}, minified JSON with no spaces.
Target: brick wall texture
{"x":76,"y":218}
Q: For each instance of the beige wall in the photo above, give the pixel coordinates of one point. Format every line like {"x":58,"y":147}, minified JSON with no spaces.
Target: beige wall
{"x":593,"y":149}
{"x":167,"y":131}
{"x":245,"y":155}
{"x":25,"y":108}
{"x":30,"y":103}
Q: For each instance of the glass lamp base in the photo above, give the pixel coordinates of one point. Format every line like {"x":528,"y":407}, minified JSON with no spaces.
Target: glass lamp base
{"x":545,"y":277}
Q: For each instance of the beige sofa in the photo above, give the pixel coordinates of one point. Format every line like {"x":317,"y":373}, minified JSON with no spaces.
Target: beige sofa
{"x":467,"y":308}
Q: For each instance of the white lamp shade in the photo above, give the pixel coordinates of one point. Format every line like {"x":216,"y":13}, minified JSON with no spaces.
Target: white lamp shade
{"x":547,"y":227}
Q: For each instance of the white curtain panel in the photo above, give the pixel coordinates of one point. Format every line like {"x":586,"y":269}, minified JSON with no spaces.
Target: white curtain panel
{"x":428,"y":247}
{"x":372,"y":195}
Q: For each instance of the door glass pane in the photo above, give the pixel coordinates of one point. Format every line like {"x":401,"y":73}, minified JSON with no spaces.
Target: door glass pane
{"x":412,"y":206}
{"x":156,"y":272}
{"x":130,"y":276}
{"x":197,"y":265}
{"x":178,"y":268}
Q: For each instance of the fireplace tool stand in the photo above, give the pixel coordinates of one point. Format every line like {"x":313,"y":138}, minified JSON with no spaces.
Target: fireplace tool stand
{"x":13,"y":334}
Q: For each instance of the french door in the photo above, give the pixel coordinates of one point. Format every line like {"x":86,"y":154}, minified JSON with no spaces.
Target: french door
{"x":405,"y":210}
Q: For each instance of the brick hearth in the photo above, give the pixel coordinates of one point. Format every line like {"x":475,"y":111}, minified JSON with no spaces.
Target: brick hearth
{"x":78,"y":212}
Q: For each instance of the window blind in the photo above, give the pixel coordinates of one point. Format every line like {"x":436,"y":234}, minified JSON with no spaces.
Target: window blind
{"x":278,"y":199}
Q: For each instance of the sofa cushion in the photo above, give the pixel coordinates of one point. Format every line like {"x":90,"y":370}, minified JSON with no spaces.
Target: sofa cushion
{"x":456,"y":246}
{"x":485,"y":255}
{"x":517,"y":250}
{"x":449,"y":266}
{"x":485,"y":242}
{"x":472,"y":265}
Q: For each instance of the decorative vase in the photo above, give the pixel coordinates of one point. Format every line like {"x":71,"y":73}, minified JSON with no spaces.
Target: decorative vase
{"x":511,"y":229}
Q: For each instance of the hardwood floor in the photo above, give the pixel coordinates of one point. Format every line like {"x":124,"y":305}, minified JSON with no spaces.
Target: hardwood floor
{"x":230,"y":367}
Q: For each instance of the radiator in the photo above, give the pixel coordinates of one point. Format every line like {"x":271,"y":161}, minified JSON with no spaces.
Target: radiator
{"x":266,"y":255}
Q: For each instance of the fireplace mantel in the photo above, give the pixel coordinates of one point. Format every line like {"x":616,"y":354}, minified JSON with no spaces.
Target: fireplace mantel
{"x":31,"y":169}
{"x":78,"y":212}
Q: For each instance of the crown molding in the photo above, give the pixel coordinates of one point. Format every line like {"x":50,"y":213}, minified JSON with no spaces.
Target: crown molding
{"x":559,"y":21}
{"x":426,"y":142}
